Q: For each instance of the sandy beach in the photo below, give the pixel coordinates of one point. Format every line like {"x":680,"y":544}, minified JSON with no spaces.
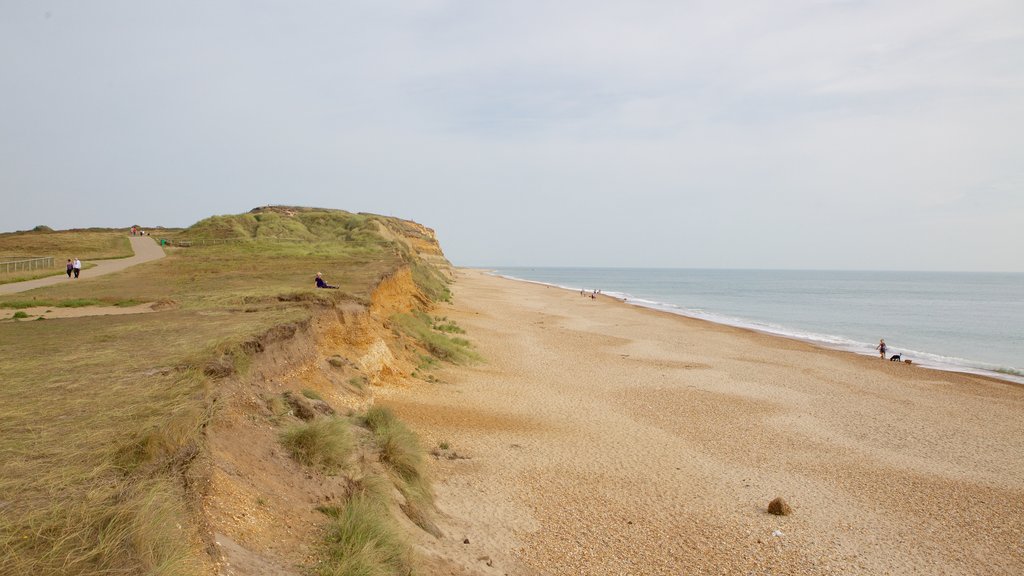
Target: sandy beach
{"x":601,"y":438}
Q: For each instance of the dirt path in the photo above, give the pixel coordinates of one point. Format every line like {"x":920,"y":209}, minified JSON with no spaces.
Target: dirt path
{"x":145,"y":248}
{"x":608,"y":439}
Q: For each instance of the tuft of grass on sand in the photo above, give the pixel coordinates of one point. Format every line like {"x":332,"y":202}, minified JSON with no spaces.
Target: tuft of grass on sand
{"x":419,"y":326}
{"x":323,"y":443}
{"x":401,"y":452}
{"x":447,"y":326}
{"x":361,"y":540}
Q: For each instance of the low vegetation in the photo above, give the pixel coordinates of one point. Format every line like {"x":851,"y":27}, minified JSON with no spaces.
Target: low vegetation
{"x":324,"y":443}
{"x":401,"y":452}
{"x":101,"y":417}
{"x":362,"y":540}
{"x":440,"y":344}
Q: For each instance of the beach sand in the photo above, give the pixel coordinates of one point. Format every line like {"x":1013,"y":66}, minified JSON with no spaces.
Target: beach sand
{"x":601,"y":438}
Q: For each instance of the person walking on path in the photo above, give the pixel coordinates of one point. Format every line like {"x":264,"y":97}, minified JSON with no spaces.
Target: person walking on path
{"x":77,"y":267}
{"x":145,"y":249}
{"x":881,"y":348}
{"x":71,"y":267}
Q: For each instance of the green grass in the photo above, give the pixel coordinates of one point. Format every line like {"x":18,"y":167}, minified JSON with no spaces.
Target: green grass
{"x":447,"y":326}
{"x":19,"y":315}
{"x":69,"y":303}
{"x":420,"y":327}
{"x":324,"y":443}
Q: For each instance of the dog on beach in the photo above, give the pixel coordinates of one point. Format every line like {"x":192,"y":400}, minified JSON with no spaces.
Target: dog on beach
{"x":895,"y":358}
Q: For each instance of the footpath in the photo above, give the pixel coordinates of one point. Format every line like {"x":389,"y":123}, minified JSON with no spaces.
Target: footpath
{"x":145,"y":248}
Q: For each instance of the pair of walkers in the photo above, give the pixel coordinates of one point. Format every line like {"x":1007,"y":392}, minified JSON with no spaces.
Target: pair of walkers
{"x":74,"y":267}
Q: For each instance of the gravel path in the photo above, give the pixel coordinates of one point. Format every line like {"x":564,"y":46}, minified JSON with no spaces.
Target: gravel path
{"x":607,"y":439}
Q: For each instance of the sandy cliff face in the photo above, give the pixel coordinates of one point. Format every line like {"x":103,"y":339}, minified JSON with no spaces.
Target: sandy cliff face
{"x":258,"y":505}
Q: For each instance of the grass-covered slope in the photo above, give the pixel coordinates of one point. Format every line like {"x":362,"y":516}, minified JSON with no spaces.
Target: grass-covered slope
{"x":101,"y":416}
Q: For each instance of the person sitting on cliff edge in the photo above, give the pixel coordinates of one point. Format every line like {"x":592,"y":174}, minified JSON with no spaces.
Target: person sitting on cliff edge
{"x":320,"y":282}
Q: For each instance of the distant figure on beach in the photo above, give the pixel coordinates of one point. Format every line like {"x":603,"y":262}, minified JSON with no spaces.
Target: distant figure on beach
{"x":320,"y":283}
{"x":77,"y":266}
{"x":133,"y":230}
{"x":71,"y":267}
{"x":881,"y":348}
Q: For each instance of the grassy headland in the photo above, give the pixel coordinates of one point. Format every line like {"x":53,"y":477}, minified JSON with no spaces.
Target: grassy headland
{"x":103,"y":417}
{"x":87,"y":244}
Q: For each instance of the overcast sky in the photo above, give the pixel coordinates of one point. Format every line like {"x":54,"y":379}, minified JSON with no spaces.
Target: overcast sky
{"x":752,"y":134}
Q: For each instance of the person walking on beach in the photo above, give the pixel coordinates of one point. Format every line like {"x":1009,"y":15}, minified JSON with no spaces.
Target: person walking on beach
{"x":881,"y":348}
{"x":77,"y":266}
{"x":71,"y":267}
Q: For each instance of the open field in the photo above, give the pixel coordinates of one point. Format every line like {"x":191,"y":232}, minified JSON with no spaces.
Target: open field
{"x":101,"y":417}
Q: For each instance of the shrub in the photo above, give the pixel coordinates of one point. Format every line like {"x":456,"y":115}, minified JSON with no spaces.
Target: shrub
{"x":312,"y":394}
{"x":20,"y":314}
{"x":324,"y":443}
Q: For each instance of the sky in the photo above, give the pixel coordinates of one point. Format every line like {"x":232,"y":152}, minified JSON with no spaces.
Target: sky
{"x":789,"y":134}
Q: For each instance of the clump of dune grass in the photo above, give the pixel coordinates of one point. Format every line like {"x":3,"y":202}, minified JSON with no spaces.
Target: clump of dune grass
{"x":401,"y":452}
{"x":448,"y":326}
{"x":312,"y":394}
{"x":323,"y":443}
{"x":361,"y":540}
{"x":419,"y":326}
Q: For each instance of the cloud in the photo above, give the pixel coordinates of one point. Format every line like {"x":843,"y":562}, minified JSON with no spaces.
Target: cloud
{"x":663,"y":133}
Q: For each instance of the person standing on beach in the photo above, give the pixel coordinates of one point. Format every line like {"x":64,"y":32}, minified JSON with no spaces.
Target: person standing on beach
{"x":77,"y":267}
{"x":881,"y":348}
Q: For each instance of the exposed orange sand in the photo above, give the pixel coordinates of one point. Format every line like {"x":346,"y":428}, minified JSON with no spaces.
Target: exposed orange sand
{"x":608,"y":439}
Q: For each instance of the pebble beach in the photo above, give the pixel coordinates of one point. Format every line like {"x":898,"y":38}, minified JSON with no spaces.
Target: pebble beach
{"x":601,"y":438}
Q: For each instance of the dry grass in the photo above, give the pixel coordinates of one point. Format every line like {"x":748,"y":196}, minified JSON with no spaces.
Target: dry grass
{"x":323,"y":443}
{"x":400,"y":450}
{"x":92,"y":244}
{"x":362,"y":541}
{"x":100,"y":416}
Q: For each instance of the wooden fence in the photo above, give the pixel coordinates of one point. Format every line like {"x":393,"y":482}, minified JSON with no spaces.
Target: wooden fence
{"x":22,"y":264}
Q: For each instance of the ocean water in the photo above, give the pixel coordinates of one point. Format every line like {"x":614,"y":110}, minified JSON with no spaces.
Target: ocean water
{"x":961,"y":321}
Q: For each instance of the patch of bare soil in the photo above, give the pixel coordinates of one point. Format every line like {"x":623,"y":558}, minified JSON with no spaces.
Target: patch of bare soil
{"x":55,"y":312}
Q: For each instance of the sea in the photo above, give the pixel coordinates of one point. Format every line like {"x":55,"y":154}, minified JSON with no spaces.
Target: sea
{"x":958,"y":321}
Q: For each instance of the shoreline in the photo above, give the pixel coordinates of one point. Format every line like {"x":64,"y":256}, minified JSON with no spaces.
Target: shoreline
{"x":600,"y":439}
{"x":672,"y":309}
